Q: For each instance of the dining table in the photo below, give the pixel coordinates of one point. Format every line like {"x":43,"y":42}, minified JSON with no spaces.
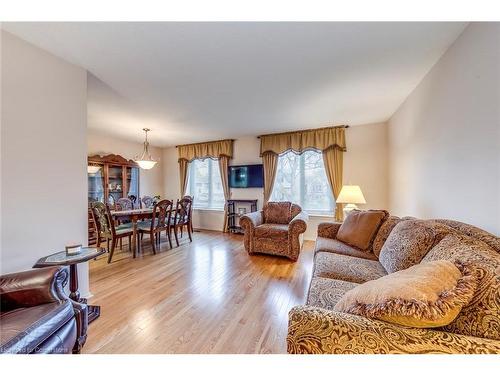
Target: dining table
{"x":134,"y":215}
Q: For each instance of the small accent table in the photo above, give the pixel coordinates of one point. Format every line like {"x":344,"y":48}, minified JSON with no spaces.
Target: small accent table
{"x":62,"y":259}
{"x":234,"y":216}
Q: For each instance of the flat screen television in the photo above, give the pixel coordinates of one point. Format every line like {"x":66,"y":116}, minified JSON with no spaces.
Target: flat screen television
{"x":246,"y":176}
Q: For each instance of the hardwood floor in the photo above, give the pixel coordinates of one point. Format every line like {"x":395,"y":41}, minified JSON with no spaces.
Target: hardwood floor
{"x":208,"y":296}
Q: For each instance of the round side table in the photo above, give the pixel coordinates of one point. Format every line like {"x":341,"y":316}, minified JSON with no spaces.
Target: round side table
{"x":62,"y":259}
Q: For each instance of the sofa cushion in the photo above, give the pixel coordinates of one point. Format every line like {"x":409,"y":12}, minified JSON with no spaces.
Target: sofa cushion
{"x":24,"y":329}
{"x":426,"y":295}
{"x":347,"y":268}
{"x":481,"y":317}
{"x":360,"y":227}
{"x":383,"y":233}
{"x":334,"y":246}
{"x":271,"y":231}
{"x":408,"y":243}
{"x":277,"y":212}
{"x":325,"y":293}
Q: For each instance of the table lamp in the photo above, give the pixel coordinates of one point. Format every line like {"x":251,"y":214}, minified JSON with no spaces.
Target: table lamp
{"x":351,"y":195}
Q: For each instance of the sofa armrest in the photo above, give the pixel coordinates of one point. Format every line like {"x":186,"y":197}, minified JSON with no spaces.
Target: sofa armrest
{"x":298,"y":224}
{"x":316,"y":330}
{"x":328,"y":230}
{"x":251,"y":220}
{"x":33,"y":287}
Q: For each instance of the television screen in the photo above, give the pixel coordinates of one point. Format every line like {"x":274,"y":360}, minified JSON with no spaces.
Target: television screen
{"x":246,"y":176}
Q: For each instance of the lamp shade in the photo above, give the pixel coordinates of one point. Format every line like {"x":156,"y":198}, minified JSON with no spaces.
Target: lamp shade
{"x":351,"y":194}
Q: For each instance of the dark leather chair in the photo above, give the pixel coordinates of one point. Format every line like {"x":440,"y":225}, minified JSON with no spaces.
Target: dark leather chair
{"x":37,"y":316}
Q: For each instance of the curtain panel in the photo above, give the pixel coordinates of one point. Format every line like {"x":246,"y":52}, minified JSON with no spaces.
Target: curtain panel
{"x":206,"y":150}
{"x":330,"y":141}
{"x":223,"y":165}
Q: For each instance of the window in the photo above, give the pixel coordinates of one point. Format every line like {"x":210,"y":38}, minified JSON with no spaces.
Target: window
{"x":204,"y":183}
{"x":301,"y":179}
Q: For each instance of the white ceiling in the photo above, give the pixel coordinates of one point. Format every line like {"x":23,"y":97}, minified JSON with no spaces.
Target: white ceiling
{"x":192,"y":82}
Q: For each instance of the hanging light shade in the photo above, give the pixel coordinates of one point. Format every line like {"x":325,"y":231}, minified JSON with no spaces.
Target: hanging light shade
{"x":145,"y":161}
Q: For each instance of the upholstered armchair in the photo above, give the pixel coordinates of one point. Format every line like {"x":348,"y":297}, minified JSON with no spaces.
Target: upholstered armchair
{"x":276,"y":229}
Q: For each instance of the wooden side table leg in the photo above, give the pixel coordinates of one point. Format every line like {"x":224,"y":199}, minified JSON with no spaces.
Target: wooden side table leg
{"x":134,"y":235}
{"x":73,"y":283}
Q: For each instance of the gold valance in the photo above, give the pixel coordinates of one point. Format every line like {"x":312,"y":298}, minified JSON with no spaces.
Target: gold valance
{"x":320,"y":139}
{"x":206,"y":150}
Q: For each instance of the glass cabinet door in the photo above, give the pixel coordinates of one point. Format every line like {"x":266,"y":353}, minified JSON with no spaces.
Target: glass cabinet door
{"x":115,"y":184}
{"x":132,"y":181}
{"x":95,"y":178}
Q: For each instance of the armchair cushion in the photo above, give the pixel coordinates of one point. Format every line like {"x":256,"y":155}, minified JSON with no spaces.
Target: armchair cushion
{"x":359,"y":228}
{"x":277,"y":212}
{"x":272,"y":231}
{"x":426,"y":295}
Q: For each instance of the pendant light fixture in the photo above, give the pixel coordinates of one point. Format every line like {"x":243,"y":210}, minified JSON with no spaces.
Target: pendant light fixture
{"x":145,"y":161}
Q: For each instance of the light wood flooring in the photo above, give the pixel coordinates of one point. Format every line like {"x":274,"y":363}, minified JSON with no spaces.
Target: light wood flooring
{"x":208,"y":296}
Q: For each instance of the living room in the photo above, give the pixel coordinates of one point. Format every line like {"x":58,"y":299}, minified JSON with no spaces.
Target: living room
{"x":250,"y":187}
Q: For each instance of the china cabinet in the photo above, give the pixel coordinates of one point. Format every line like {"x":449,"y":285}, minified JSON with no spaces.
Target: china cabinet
{"x":110,"y":177}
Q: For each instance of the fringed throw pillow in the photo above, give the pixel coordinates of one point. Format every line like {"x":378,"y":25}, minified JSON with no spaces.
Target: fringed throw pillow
{"x":425,"y":295}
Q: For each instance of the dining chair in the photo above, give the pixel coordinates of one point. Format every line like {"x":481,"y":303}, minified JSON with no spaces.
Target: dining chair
{"x":161,"y":221}
{"x":123,"y":204}
{"x":133,"y":198}
{"x":147,"y":201}
{"x":182,"y":218}
{"x":106,"y":229}
{"x":191,"y":197}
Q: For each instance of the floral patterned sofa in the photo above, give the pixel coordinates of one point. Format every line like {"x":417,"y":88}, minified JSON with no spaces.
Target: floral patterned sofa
{"x":275,"y":230}
{"x":317,"y":328}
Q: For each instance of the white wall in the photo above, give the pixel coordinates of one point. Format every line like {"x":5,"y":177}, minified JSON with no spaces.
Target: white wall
{"x":151,"y":181}
{"x":444,"y":141}
{"x":365,"y":164}
{"x":43,"y":155}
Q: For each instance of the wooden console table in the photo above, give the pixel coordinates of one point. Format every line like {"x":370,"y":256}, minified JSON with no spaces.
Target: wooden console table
{"x":233,"y":213}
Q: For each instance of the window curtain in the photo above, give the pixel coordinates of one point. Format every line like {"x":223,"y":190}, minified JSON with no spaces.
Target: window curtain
{"x":221,"y":150}
{"x":183,"y":173}
{"x":270,"y":161}
{"x":333,"y":158}
{"x":330,"y":141}
{"x":223,"y":165}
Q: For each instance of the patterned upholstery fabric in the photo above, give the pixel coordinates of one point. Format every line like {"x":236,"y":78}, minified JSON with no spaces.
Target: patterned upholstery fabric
{"x":328,"y":230}
{"x":326,"y":293}
{"x":347,"y":268}
{"x":268,"y":237}
{"x":408,"y":243}
{"x":338,"y":247}
{"x":472,"y":231}
{"x":272,"y":231}
{"x":383,"y":233}
{"x":481,"y":316}
{"x":318,"y":329}
{"x":313,"y":330}
{"x":277,"y":212}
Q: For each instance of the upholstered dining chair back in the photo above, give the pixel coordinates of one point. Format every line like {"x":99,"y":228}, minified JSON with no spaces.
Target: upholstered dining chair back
{"x":147,"y":201}
{"x":123,"y":204}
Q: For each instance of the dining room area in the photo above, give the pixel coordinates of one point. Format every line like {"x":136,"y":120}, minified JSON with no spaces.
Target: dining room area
{"x":122,"y":220}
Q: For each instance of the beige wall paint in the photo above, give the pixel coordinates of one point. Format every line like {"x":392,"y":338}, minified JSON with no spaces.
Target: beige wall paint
{"x":365,"y":164}
{"x":43,"y":155}
{"x":444,"y":141}
{"x":151,"y":181}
